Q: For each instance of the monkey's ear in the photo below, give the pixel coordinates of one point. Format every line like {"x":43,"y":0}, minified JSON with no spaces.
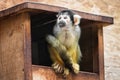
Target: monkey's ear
{"x":76,"y":19}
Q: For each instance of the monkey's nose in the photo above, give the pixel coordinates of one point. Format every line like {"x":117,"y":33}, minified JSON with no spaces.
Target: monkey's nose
{"x":62,"y":23}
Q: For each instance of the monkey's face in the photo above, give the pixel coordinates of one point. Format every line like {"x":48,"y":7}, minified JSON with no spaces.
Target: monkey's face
{"x":64,"y":20}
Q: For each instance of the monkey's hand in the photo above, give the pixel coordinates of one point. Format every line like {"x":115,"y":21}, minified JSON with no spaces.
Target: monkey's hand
{"x":58,"y":68}
{"x":66,"y":72}
{"x":52,"y":41}
{"x":75,"y":68}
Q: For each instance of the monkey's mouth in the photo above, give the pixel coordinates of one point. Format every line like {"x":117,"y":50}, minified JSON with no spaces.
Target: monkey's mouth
{"x":62,"y":24}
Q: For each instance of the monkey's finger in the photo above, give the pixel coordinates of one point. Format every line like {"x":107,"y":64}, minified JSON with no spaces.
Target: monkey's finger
{"x":66,"y":72}
{"x":59,"y":69}
{"x":75,"y":68}
{"x":55,"y":65}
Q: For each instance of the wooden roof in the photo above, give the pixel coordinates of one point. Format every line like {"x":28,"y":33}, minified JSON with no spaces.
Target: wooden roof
{"x":38,"y":7}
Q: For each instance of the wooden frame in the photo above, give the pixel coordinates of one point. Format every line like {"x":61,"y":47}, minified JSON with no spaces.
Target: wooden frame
{"x":20,"y":16}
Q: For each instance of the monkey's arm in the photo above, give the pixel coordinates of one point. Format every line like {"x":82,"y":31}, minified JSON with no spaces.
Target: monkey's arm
{"x":77,"y":32}
{"x":79,"y":54}
{"x":61,"y":50}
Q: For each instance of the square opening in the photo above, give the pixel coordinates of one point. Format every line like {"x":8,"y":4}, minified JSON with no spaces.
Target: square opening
{"x":42,"y":23}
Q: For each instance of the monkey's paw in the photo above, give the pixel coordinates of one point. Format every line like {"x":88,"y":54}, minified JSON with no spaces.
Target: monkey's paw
{"x":52,"y":40}
{"x":75,"y":68}
{"x":57,"y":68}
{"x":66,"y":72}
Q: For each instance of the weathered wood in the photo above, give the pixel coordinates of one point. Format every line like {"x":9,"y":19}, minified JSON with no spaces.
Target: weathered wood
{"x":86,"y":49}
{"x":15,"y":43}
{"x":30,"y":6}
{"x":95,"y":49}
{"x":11,"y":48}
{"x":101,"y":52}
{"x":46,"y":73}
{"x":27,"y":45}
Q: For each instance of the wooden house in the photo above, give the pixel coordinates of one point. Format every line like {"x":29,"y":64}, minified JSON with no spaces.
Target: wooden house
{"x":23,"y":49}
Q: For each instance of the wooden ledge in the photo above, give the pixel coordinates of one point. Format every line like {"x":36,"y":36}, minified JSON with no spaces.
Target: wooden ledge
{"x":46,"y":73}
{"x":31,"y":6}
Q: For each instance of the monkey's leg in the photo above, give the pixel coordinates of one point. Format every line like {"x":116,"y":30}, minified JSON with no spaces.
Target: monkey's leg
{"x":76,"y":56}
{"x":77,"y":60}
{"x":64,"y":54}
{"x":58,"y":64}
{"x":61,"y":50}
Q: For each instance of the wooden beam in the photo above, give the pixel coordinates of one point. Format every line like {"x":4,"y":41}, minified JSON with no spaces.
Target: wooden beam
{"x":11,"y":48}
{"x":46,"y":73}
{"x":27,"y":46}
{"x":30,"y":7}
{"x":101,"y":52}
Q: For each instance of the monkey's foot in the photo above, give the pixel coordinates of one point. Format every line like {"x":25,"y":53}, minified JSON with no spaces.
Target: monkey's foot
{"x":66,"y":72}
{"x":52,"y":40}
{"x":57,"y":68}
{"x":75,"y":68}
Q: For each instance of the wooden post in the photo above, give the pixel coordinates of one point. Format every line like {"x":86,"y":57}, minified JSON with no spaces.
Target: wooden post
{"x":11,"y":48}
{"x":100,"y":52}
{"x":15,"y":48}
{"x":95,"y":49}
{"x":27,"y":46}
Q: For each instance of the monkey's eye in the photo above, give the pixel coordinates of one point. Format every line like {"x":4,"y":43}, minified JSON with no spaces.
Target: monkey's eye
{"x":65,"y":17}
{"x":59,"y":17}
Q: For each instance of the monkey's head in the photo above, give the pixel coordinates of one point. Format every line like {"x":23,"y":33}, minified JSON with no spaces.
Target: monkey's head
{"x":67,"y":18}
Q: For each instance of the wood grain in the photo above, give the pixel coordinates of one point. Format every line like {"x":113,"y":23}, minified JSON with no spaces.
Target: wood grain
{"x":15,"y":43}
{"x":101,"y":53}
{"x":27,"y":45}
{"x":95,"y":49}
{"x":30,"y":6}
{"x":11,"y":48}
{"x":46,"y":73}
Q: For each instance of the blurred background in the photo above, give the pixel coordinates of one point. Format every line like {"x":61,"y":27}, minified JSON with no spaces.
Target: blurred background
{"x":111,"y":33}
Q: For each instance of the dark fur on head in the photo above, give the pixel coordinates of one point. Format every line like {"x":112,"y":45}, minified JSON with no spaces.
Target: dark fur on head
{"x":69,"y":12}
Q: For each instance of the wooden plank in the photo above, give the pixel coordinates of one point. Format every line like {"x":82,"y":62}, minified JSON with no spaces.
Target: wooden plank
{"x":95,"y":49}
{"x":85,"y":76}
{"x":86,"y":63}
{"x":101,"y":52}
{"x":84,"y":15}
{"x":30,"y":6}
{"x":46,"y":73}
{"x":27,"y":46}
{"x":11,"y":48}
{"x":13,"y":9}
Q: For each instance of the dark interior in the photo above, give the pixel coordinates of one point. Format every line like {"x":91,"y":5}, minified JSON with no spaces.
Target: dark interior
{"x":42,"y":24}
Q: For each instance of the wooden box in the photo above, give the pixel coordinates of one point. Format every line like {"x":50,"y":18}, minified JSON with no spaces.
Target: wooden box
{"x":23,"y":49}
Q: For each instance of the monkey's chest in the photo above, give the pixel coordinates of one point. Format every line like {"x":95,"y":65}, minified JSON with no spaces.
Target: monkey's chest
{"x":67,"y":38}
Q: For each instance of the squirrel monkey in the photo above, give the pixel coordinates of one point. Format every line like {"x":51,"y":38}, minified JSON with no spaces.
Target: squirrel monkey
{"x":64,"y":45}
